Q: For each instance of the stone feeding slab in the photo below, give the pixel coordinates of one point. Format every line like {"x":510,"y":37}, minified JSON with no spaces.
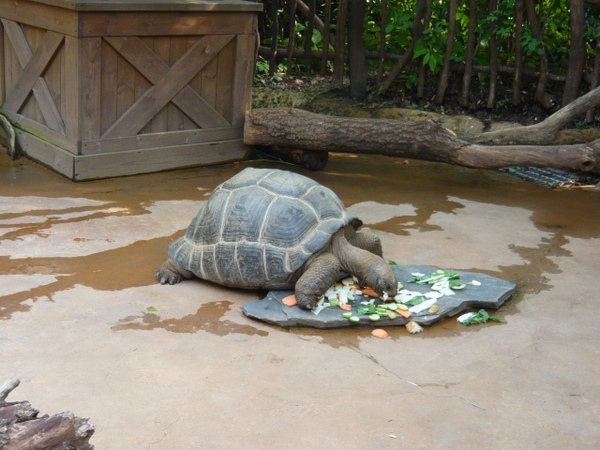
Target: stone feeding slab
{"x":491,"y":293}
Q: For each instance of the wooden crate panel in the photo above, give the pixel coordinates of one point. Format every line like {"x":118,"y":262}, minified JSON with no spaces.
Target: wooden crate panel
{"x":34,"y":66}
{"x":157,"y":159}
{"x":96,"y":92}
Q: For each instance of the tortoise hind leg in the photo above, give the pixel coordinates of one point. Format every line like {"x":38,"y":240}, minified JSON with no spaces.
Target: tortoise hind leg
{"x":171,"y":273}
{"x":320,"y":274}
{"x":366,"y":241}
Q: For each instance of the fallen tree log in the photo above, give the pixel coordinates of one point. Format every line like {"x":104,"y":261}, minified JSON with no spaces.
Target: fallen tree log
{"x":22,"y":429}
{"x":545,"y":132}
{"x":426,"y":140}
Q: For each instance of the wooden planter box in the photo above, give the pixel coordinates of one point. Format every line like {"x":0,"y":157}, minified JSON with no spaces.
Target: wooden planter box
{"x":99,"y":88}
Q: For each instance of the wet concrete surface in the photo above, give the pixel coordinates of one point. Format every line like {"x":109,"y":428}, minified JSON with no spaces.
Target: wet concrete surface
{"x":87,"y":328}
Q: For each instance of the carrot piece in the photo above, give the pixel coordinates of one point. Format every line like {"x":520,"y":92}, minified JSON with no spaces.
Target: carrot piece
{"x":379,"y":333}
{"x":345,"y":307}
{"x":370,"y":292}
{"x":403,"y":313}
{"x":290,"y":300}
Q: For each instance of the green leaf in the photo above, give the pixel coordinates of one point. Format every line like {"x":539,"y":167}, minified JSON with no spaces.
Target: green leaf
{"x":151,"y":309}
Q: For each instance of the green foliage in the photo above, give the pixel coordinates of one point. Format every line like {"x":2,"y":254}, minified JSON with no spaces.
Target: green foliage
{"x":554,"y":17}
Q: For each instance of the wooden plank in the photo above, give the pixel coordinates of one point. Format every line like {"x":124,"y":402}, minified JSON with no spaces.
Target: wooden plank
{"x":225,"y":77}
{"x":168,"y":87}
{"x":2,"y":66}
{"x":39,"y":129}
{"x":178,"y":47}
{"x":71,"y":89}
{"x":125,"y":86}
{"x":164,"y":23}
{"x":157,"y":159}
{"x":33,"y":65}
{"x":109,"y":87}
{"x":90,"y":70}
{"x":39,"y":15}
{"x":153,"y":67}
{"x":155,"y":5}
{"x":31,"y":107}
{"x":161,"y":46}
{"x":243,"y":76}
{"x":45,"y":153}
{"x":164,"y":139}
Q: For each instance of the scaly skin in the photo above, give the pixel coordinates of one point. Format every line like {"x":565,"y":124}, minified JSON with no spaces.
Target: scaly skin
{"x":171,"y":273}
{"x":323,"y":270}
{"x":366,"y":241}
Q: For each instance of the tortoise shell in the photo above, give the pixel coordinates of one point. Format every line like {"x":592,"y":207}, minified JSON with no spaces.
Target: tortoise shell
{"x":259,"y":227}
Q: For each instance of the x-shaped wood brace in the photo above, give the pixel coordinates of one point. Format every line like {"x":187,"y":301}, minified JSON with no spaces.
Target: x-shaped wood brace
{"x":169,"y":83}
{"x":33,"y":65}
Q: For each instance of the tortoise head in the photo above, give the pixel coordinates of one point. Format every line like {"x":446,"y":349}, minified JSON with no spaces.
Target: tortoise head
{"x":381,"y":278}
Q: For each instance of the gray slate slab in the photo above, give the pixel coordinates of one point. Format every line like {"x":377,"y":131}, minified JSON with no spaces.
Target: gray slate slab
{"x":492,"y":293}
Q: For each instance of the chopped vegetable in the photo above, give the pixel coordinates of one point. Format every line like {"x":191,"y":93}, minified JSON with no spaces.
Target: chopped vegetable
{"x":434,"y":309}
{"x":404,"y":313}
{"x":413,"y":327}
{"x":369,"y":292}
{"x":290,"y":300}
{"x":345,"y":307}
{"x":374,"y":317}
{"x":422,"y":306}
{"x":347,"y":315}
{"x":482,"y":316}
{"x":416,"y":301}
{"x":379,"y":333}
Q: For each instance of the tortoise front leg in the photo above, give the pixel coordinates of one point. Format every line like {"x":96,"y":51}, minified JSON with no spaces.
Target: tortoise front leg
{"x":319,"y":276}
{"x":171,"y":273}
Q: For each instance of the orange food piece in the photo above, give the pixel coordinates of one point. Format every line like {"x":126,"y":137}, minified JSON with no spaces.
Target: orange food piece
{"x":345,"y":307}
{"x":290,"y":300}
{"x":379,"y":333}
{"x":370,"y":292}
{"x":403,"y":313}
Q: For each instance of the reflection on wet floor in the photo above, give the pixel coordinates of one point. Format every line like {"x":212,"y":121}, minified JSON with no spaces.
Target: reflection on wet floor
{"x":208,"y":318}
{"x":112,"y":234}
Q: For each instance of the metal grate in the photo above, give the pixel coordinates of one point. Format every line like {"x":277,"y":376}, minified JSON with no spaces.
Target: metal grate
{"x":554,"y":178}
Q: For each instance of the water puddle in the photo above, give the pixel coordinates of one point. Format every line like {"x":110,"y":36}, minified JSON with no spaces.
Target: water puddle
{"x":111,"y":235}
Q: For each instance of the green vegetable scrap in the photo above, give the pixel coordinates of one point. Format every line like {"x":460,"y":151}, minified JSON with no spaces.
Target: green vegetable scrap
{"x":416,"y":301}
{"x":151,"y":309}
{"x":439,"y":276}
{"x":482,"y":316}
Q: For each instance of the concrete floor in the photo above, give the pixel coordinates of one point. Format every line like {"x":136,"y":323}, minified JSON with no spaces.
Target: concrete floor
{"x":88,"y":330}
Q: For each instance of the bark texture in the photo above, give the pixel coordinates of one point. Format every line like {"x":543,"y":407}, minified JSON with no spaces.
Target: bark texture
{"x":426,"y":140}
{"x":22,"y":429}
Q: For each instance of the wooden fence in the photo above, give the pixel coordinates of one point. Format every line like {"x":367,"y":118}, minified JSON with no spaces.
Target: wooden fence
{"x":342,"y":49}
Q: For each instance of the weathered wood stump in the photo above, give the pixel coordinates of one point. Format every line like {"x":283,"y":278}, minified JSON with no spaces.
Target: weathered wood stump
{"x":22,"y":429}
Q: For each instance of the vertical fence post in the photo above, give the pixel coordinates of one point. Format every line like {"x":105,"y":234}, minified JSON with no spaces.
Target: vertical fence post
{"x":340,"y":40}
{"x":382,"y":41}
{"x":326,"y":37}
{"x":312,"y":4}
{"x":291,"y":34}
{"x":518,"y":52}
{"x":274,"y":36}
{"x":466,"y":82}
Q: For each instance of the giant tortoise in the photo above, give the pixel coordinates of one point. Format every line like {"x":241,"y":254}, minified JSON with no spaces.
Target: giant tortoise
{"x":275,"y":229}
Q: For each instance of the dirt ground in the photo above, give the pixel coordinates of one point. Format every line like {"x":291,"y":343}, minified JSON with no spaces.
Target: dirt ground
{"x":87,"y":328}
